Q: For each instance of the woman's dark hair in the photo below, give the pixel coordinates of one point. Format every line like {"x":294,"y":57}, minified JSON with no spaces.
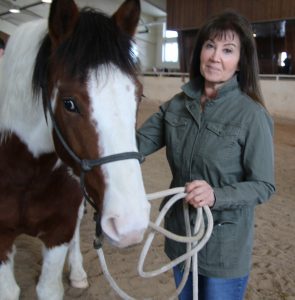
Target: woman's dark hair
{"x":217,"y":26}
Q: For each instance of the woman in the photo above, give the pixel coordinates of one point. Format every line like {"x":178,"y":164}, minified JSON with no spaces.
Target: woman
{"x":218,"y":139}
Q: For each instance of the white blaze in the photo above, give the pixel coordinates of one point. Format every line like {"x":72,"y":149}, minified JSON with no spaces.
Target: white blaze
{"x":125,"y":213}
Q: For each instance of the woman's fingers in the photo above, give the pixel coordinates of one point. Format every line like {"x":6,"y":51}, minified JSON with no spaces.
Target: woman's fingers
{"x":199,"y":193}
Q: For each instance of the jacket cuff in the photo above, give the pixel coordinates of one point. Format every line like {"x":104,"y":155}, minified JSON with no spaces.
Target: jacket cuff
{"x":220,"y":198}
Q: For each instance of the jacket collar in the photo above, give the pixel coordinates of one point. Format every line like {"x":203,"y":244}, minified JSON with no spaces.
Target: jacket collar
{"x":193,"y":96}
{"x":194,"y":89}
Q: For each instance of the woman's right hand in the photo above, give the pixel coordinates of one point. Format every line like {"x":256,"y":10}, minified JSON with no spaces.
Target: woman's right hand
{"x":199,"y":193}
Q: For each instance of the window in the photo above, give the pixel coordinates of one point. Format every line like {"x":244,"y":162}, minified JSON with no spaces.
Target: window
{"x":282,"y":57}
{"x":170,"y":34}
{"x":272,"y":39}
{"x":170,"y":46}
{"x":170,"y":52}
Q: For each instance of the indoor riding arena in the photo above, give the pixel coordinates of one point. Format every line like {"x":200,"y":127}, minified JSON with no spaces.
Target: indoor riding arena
{"x":164,"y":41}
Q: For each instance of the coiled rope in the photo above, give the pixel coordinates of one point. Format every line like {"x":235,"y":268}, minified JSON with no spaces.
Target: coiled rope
{"x":194,"y":243}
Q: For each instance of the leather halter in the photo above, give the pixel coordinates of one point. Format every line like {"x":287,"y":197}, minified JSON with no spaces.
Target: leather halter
{"x":88,"y":164}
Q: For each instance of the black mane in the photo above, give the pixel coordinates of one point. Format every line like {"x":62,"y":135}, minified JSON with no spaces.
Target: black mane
{"x":96,"y":40}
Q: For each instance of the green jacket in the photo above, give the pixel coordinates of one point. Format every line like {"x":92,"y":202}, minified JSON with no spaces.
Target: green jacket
{"x":230,"y":145}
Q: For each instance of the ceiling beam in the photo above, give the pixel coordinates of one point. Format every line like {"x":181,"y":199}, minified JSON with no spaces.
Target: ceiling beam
{"x":158,"y":4}
{"x":7,"y":27}
{"x":22,"y":8}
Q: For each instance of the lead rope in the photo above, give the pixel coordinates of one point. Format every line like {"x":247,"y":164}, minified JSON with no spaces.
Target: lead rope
{"x":194,"y":243}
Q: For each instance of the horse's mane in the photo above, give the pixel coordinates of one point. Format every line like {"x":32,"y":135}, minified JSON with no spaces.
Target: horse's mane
{"x":96,"y":40}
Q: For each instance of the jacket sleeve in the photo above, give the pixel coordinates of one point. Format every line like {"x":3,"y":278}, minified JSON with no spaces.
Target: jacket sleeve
{"x":258,"y":164}
{"x":150,"y":136}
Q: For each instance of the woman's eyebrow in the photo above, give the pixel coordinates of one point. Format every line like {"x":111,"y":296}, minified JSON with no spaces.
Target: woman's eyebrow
{"x":230,"y":44}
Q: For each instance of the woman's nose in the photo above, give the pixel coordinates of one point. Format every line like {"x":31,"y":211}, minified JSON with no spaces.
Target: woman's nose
{"x":215,"y":55}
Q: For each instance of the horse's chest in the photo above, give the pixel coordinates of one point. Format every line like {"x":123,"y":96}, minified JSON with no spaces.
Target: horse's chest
{"x":22,"y":170}
{"x":32,"y":191}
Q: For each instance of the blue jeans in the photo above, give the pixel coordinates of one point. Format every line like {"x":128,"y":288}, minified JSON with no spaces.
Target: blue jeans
{"x":211,"y":288}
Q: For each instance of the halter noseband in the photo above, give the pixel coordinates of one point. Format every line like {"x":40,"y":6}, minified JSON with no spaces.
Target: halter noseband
{"x":88,"y":164}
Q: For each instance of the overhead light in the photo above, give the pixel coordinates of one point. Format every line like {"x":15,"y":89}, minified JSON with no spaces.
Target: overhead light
{"x":14,"y":9}
{"x":47,"y":1}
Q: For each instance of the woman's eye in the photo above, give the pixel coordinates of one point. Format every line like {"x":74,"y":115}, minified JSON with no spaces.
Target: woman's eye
{"x":209,"y":45}
{"x":70,"y":105}
{"x":228,"y":50}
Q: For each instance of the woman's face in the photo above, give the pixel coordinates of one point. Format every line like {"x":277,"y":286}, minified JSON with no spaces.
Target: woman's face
{"x":220,"y":58}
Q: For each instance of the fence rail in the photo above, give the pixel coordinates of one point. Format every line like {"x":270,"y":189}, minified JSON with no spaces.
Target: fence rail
{"x":276,"y":77}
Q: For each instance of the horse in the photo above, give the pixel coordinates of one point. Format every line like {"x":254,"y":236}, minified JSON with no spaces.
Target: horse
{"x":69,"y":96}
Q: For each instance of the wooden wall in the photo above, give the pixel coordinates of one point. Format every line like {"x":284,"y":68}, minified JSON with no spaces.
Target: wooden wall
{"x":186,"y":16}
{"x":191,"y":14}
{"x":290,"y":43}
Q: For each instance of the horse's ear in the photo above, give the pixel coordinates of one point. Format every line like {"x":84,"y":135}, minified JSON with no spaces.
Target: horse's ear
{"x":127,"y":16}
{"x":63,"y":17}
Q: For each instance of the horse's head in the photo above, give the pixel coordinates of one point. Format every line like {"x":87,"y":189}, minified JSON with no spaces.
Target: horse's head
{"x":89,"y":79}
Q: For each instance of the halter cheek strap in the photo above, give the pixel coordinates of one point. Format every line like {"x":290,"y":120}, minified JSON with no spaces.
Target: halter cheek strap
{"x":88,"y":164}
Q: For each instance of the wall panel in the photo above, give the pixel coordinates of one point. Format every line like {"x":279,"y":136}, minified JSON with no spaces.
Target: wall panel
{"x":190,"y":14}
{"x":290,"y":43}
{"x":185,"y":14}
{"x":216,"y":6}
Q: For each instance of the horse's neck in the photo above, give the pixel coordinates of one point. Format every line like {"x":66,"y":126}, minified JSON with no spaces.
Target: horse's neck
{"x":19,"y":113}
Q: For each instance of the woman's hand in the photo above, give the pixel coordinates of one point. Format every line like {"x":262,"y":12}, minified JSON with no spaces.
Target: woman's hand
{"x":199,"y":193}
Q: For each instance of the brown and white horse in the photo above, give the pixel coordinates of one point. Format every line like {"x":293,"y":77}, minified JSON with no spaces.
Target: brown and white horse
{"x":68,"y":102}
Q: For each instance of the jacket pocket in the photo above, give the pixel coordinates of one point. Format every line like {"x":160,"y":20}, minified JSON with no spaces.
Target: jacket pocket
{"x":225,"y":230}
{"x":218,"y":140}
{"x":221,"y":249}
{"x":175,"y":127}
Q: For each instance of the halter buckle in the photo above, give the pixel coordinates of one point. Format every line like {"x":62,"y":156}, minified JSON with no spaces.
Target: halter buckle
{"x":86,"y":165}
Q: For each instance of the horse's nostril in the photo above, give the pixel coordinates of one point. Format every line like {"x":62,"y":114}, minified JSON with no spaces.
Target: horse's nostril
{"x":120,"y":235}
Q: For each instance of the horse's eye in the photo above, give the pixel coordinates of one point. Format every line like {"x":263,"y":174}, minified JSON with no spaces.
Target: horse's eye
{"x":70,"y":105}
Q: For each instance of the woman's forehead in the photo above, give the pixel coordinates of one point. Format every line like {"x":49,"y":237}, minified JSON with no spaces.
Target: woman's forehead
{"x":224,"y":35}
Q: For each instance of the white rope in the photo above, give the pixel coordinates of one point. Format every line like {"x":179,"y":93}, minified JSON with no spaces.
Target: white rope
{"x":194,"y":243}
{"x":109,"y":277}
